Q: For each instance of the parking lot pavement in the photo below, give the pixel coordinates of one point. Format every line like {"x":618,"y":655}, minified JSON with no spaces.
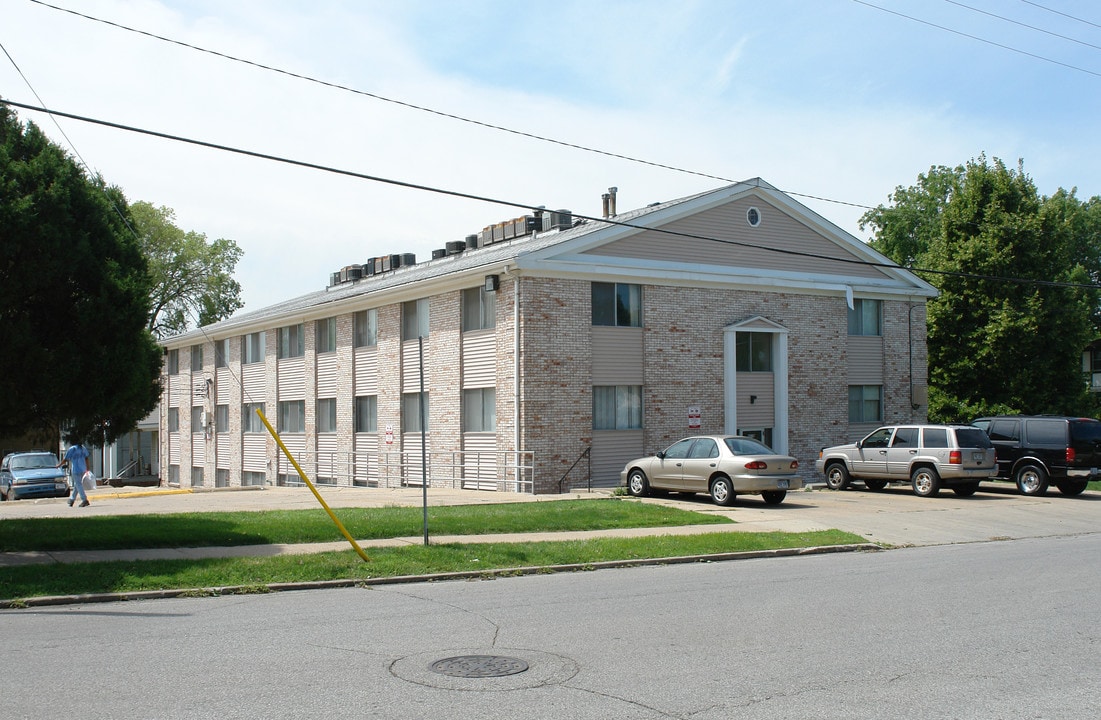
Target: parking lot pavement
{"x":894,"y":517}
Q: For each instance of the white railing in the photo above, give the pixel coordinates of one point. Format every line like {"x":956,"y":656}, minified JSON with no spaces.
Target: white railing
{"x":500,"y":470}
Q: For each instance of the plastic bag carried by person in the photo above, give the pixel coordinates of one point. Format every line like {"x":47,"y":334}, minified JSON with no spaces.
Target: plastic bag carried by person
{"x":88,"y":480}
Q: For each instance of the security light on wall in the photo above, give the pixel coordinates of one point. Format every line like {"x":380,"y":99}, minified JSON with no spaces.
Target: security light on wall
{"x":492,"y":283}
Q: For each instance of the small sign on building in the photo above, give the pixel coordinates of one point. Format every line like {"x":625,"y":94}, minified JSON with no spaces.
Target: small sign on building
{"x":694,"y":417}
{"x":389,"y":434}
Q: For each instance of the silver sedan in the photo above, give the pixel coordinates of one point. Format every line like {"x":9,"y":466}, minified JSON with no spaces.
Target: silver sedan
{"x":723,"y":466}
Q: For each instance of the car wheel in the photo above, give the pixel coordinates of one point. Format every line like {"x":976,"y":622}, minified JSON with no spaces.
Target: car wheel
{"x":637,"y":484}
{"x":1071,"y":488}
{"x":875,"y":485}
{"x":837,"y":476}
{"x":926,"y":481}
{"x":774,"y":497}
{"x":966,"y":490}
{"x":1031,"y":480}
{"x":722,"y":491}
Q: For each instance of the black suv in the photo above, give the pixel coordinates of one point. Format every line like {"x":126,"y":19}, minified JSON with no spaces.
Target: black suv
{"x":1034,"y":450}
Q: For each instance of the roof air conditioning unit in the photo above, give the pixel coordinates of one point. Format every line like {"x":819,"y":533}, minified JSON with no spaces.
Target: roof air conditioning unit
{"x":454,"y":248}
{"x":438,"y":253}
{"x":471,"y":242}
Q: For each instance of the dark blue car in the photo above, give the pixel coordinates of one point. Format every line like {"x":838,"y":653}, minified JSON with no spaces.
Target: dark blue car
{"x":31,"y":475}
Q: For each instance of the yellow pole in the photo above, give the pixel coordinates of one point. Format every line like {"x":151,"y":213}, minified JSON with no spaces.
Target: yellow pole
{"x":313,"y":489}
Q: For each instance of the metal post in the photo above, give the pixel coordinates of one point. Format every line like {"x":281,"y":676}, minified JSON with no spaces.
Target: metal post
{"x":424,"y":450}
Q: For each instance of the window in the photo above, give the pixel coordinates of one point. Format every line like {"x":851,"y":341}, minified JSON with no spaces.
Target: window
{"x":250,"y":421}
{"x":292,"y":416}
{"x":865,"y":403}
{"x":479,"y":309}
{"x":290,"y":341}
{"x":173,"y":474}
{"x":326,"y":335}
{"x":173,"y":362}
{"x":617,"y":407}
{"x":878,"y":439}
{"x":411,"y":412}
{"x":864,"y":317}
{"x":252,"y":348}
{"x":173,"y":419}
{"x":196,"y":358}
{"x":1005,"y":430}
{"x":197,"y":419}
{"x":365,"y":328}
{"x":703,"y":449}
{"x":221,"y":353}
{"x":679,"y":450}
{"x":221,"y":419}
{"x":480,"y":410}
{"x":414,"y":319}
{"x":366,"y":414}
{"x":326,"y":415}
{"x":617,"y":304}
{"x":221,"y":478}
{"x":753,"y":352}
{"x":906,"y":437}
{"x":935,"y":437}
{"x":249,"y":478}
{"x":196,"y":477}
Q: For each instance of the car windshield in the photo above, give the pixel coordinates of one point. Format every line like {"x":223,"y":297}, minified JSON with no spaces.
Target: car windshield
{"x":28,"y":462}
{"x":973,"y":438}
{"x":747,"y":446}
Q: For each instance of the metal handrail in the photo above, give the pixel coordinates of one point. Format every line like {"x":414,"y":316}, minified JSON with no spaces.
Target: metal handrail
{"x":584,"y":454}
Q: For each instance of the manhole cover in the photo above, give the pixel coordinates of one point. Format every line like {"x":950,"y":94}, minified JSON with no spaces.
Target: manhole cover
{"x":479,"y":666}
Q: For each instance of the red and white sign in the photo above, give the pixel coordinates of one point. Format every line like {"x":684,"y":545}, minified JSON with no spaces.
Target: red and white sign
{"x":389,"y":434}
{"x":694,"y":417}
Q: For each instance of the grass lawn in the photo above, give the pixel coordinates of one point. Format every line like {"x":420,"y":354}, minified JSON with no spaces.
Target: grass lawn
{"x":124,"y":532}
{"x":254,"y":574}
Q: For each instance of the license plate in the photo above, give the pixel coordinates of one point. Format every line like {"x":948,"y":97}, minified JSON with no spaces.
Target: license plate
{"x":60,"y":486}
{"x":782,"y":484}
{"x":978,"y":457}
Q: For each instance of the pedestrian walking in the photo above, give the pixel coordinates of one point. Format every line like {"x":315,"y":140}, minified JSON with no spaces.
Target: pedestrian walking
{"x":76,"y":457}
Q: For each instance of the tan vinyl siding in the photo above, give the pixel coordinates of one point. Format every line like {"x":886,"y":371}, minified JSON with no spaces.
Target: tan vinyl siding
{"x":410,"y":367}
{"x":296,"y":446}
{"x":326,"y":375}
{"x":366,"y":461}
{"x":480,"y":359}
{"x":223,"y":382}
{"x":292,"y":378}
{"x":178,"y":387}
{"x":411,"y":443}
{"x":865,"y":360}
{"x":728,"y":222}
{"x":332,"y":462}
{"x":254,"y":452}
{"x":254,"y":381}
{"x":366,"y":373}
{"x":762,"y":411}
{"x":480,"y":470}
{"x":174,"y":448}
{"x":198,"y":449}
{"x":612,"y":449}
{"x":222,"y":448}
{"x":617,"y":356}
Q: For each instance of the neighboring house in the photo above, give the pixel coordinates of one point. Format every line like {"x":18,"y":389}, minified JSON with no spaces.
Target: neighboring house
{"x":1091,"y":365}
{"x":553,"y":357}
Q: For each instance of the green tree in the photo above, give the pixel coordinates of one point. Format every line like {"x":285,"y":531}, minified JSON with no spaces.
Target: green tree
{"x":74,"y":297}
{"x":1002,"y":336}
{"x":192,"y":278}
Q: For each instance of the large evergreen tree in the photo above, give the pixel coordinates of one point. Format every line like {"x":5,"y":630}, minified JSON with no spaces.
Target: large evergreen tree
{"x":1007,"y":331}
{"x":75,"y":353}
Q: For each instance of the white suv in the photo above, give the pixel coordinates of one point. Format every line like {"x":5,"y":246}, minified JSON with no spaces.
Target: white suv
{"x":927,"y":456}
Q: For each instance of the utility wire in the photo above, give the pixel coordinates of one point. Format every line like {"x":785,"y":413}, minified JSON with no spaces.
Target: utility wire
{"x":1057,"y":12}
{"x":530,"y":206}
{"x":1021,"y":24}
{"x":421,"y":108}
{"x":974,"y":37}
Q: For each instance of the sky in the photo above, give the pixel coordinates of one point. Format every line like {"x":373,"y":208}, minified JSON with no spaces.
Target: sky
{"x":837,"y":102}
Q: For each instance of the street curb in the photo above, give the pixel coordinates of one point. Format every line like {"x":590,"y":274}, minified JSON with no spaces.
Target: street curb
{"x":55,"y":600}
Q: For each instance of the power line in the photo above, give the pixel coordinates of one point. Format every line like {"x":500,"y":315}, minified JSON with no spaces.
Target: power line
{"x":973,"y":37}
{"x":525,"y":206}
{"x":421,"y":108}
{"x":1057,"y":12}
{"x":1024,"y":25}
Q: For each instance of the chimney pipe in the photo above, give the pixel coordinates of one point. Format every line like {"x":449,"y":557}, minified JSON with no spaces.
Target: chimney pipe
{"x":604,"y":201}
{"x":611,"y":202}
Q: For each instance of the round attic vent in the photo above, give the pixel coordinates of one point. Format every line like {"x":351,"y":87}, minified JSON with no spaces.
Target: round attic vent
{"x":753,"y":217}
